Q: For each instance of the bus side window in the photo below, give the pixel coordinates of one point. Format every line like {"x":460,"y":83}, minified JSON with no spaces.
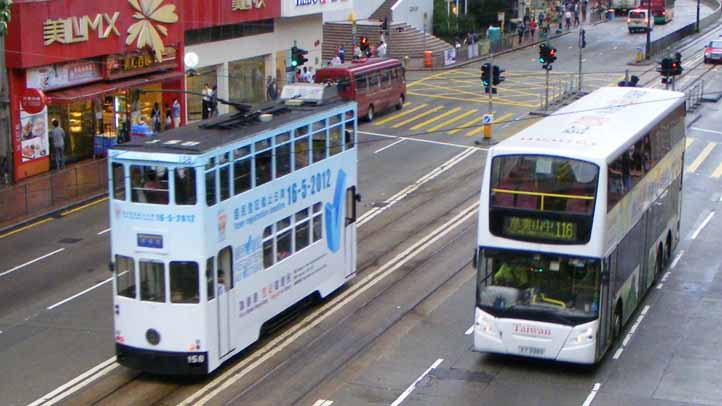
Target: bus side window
{"x":149,"y":184}
{"x":264,"y":166}
{"x":210,"y":270}
{"x":241,"y":175}
{"x":268,"y":247}
{"x":152,"y":281}
{"x":283,"y":160}
{"x":125,"y":276}
{"x":185,"y":186}
{"x":284,"y":232}
{"x":373,"y":82}
{"x":224,"y":175}
{"x":361,"y":85}
{"x":302,"y":230}
{"x":118,"y":181}
{"x":335,"y":140}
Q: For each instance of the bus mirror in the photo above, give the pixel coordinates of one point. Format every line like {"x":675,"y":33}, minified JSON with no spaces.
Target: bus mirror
{"x":358,"y":197}
{"x":111,"y":267}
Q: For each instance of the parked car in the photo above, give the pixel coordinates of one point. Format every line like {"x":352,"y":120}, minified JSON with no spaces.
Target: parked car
{"x":713,"y":51}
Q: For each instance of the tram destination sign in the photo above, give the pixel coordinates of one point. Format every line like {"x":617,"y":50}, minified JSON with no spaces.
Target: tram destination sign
{"x":540,"y":229}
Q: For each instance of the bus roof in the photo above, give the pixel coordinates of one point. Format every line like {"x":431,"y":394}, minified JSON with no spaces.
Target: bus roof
{"x":596,"y":127}
{"x":202,"y":136}
{"x":361,"y":66}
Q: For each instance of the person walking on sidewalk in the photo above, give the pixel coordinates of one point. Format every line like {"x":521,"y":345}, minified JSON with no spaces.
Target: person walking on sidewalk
{"x":58,"y":136}
{"x":532,"y":28}
{"x":176,"y":108}
{"x":520,"y":31}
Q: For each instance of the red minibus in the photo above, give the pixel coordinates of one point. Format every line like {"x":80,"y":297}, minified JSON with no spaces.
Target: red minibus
{"x":376,"y":84}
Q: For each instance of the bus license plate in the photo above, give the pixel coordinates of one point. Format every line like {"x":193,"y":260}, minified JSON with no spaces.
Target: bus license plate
{"x":523,"y":349}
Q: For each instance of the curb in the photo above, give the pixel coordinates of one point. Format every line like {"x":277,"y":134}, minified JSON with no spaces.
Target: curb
{"x":55,"y":213}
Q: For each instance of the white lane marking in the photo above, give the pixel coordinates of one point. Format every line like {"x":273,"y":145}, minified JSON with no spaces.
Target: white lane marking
{"x":9,"y":271}
{"x":675,"y":261}
{"x":448,"y":144}
{"x":104,"y":231}
{"x":54,"y":396}
{"x":666,"y":275}
{"x":229,"y":377}
{"x":323,"y":402}
{"x":704,"y":130}
{"x":626,"y":340}
{"x":469,"y":331}
{"x":391,"y":201}
{"x":633,"y":328}
{"x":79,"y":294}
{"x":592,"y":394}
{"x":720,"y":198}
{"x":660,"y":286}
{"x":697,"y":231}
{"x":411,"y":388}
{"x":389,"y":146}
{"x":618,"y":353}
{"x":645,"y":310}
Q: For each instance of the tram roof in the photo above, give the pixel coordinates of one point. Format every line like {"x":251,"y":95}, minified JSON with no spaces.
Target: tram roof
{"x":596,"y":127}
{"x":202,"y":136}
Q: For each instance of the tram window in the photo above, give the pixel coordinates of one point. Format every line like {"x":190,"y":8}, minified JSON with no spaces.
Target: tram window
{"x":317,"y":222}
{"x":264,"y":167}
{"x":318,"y":125}
{"x":211,"y":188}
{"x":118,"y":182}
{"x":242,"y":176}
{"x":282,"y":224}
{"x":301,"y":131}
{"x":125,"y":276}
{"x":319,"y":146}
{"x":211,"y":163}
{"x":268,"y":253}
{"x":283,"y":245}
{"x":302,"y":229}
{"x":335,"y":119}
{"x":225,"y":266}
{"x":209,"y":279}
{"x":184,"y":282}
{"x":185,"y":186}
{"x":225,"y":180}
{"x":283,"y":160}
{"x":263,"y":144}
{"x":242,"y":151}
{"x":281,"y":138}
{"x":149,"y":184}
{"x":348,"y":136}
{"x":152,"y":281}
{"x":301,"y":153}
{"x":334,"y":139}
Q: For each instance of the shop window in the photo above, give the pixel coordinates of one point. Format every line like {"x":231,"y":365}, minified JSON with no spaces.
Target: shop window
{"x":319,"y":146}
{"x":283,"y":160}
{"x":264,"y":167}
{"x":184,"y":283}
{"x":242,"y":176}
{"x":211,"y":188}
{"x":300,"y":153}
{"x":185,"y":186}
{"x":125,"y":276}
{"x":152,"y":281}
{"x":195,"y":84}
{"x":118,"y":181}
{"x":230,"y":31}
{"x":335,"y":139}
{"x":248,"y":81}
{"x":149,"y":184}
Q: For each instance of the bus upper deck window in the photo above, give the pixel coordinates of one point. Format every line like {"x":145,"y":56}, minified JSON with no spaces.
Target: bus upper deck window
{"x":319,"y":146}
{"x":300,"y":153}
{"x":185,"y":186}
{"x":283,"y":159}
{"x":242,"y":152}
{"x":118,"y":181}
{"x":149,"y":184}
{"x":125,"y":276}
{"x":335,"y":119}
{"x":152,"y":281}
{"x":184,"y":282}
{"x":301,"y":131}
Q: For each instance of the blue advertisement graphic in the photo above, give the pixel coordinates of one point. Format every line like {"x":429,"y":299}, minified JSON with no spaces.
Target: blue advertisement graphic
{"x":333,"y":213}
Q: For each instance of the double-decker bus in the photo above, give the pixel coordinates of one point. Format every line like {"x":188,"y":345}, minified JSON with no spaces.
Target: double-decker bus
{"x":376,"y":84}
{"x":662,"y":10}
{"x":579,"y":213}
{"x":220,"y":226}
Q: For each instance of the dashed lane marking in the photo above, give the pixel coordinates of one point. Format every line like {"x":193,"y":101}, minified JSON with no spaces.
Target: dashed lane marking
{"x":9,"y":271}
{"x":411,"y":388}
{"x":590,"y":398}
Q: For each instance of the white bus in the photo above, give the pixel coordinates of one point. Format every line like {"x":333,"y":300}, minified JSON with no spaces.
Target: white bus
{"x":220,"y":226}
{"x":578,"y":215}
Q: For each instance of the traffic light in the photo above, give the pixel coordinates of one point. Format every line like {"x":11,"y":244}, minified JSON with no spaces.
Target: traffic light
{"x":543,"y":53}
{"x":486,"y":74}
{"x":677,"y":64}
{"x":364,"y":44}
{"x":582,"y":38}
{"x":496,"y":75}
{"x":552,"y":54}
{"x":298,"y":56}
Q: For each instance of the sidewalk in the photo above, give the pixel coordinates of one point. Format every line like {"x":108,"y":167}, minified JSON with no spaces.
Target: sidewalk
{"x":50,"y":193}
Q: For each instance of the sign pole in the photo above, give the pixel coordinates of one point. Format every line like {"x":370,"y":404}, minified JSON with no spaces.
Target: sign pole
{"x":546,"y":89}
{"x":581,"y":34}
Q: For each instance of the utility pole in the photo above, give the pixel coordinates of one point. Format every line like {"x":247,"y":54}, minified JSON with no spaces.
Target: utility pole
{"x":697,"y":25}
{"x":648,"y":45}
{"x":582,"y":44}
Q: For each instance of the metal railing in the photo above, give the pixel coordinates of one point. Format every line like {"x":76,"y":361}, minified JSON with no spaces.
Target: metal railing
{"x":53,"y":191}
{"x":694,"y":95}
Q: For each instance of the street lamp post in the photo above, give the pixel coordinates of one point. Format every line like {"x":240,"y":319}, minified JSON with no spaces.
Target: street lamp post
{"x":697,"y":26}
{"x":648,"y":45}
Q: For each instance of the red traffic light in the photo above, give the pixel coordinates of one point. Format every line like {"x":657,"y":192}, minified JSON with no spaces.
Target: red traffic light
{"x":552,"y":51}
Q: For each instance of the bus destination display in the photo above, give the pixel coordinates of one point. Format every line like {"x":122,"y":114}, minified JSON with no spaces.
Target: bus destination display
{"x":541,"y":229}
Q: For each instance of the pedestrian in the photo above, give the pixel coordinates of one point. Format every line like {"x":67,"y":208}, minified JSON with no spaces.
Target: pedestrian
{"x":297,"y":77}
{"x":568,"y":19}
{"x":520,"y":32}
{"x":155,"y":117}
{"x":168,"y":119}
{"x":213,"y":106}
{"x":541,"y":19}
{"x":206,"y":101}
{"x":532,"y":28}
{"x":381,"y":49}
{"x":342,"y":54}
{"x":58,"y":136}
{"x":336,"y":61}
{"x":272,"y":89}
{"x":576,"y":14}
{"x":176,"y":107}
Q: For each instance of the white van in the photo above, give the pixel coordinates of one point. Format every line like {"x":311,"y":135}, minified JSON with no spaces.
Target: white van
{"x":637,"y":20}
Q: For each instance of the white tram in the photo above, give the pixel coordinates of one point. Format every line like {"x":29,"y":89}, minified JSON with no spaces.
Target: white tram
{"x":220,"y":226}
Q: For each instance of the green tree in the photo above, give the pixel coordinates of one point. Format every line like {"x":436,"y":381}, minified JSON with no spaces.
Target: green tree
{"x":4,"y":15}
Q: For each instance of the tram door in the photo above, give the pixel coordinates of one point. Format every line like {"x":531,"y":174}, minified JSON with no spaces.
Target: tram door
{"x":350,"y":231}
{"x":224,"y":276}
{"x":606,"y":307}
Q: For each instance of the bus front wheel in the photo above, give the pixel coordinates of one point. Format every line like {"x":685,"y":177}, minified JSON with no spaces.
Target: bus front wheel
{"x":617,"y":324}
{"x":370,"y":114}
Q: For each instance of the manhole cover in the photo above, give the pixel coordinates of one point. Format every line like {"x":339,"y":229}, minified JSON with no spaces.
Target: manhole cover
{"x":70,"y":240}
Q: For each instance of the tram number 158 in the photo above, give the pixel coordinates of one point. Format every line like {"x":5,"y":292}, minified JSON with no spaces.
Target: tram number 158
{"x":196,"y":359}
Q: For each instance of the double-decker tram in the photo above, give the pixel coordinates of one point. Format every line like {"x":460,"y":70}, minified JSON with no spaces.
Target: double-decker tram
{"x":579,"y":214}
{"x":218,"y":227}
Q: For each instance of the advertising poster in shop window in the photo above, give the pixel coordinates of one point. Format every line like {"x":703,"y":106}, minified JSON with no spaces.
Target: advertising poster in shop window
{"x":34,"y":142}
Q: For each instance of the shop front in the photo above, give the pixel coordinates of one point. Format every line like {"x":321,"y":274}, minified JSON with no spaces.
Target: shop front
{"x":102,"y":67}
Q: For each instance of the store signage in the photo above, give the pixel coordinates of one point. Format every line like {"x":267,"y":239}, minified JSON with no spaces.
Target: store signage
{"x":58,"y":76}
{"x":292,"y":8}
{"x":118,"y":66}
{"x":32,"y":100}
{"x":76,"y":29}
{"x":241,"y":5}
{"x":539,"y":229}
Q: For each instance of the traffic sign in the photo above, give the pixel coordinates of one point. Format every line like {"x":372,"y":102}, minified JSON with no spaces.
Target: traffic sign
{"x":487,"y":119}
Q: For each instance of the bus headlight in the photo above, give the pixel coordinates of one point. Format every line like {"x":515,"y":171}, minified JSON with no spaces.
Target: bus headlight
{"x":486,"y":326}
{"x":586,"y":337}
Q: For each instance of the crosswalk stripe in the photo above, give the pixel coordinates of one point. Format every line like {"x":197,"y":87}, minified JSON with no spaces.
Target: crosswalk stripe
{"x":451,"y":120}
{"x":467,"y":124}
{"x":401,"y":114}
{"x":480,"y":128}
{"x":688,"y":143}
{"x":437,"y":118}
{"x":416,"y":117}
{"x":702,"y":156}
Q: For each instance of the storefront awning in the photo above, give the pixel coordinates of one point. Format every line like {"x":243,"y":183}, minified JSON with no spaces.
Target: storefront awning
{"x":97,"y":89}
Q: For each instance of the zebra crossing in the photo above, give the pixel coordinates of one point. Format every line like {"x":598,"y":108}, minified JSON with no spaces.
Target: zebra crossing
{"x":438,"y":120}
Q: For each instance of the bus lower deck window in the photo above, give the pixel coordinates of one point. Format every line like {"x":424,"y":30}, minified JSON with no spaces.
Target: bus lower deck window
{"x":184,"y":282}
{"x":118,"y":181}
{"x":149,"y":184}
{"x":152,"y":281}
{"x":185,"y":186}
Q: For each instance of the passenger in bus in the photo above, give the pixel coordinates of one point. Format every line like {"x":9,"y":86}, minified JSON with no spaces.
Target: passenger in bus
{"x":513,"y":274}
{"x":221,"y":283}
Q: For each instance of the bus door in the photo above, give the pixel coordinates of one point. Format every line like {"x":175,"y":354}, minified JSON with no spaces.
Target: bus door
{"x":606,"y":305}
{"x":224,"y":280}
{"x":350,"y":231}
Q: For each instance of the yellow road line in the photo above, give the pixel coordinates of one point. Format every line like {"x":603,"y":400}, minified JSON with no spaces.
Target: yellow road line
{"x":85,"y":206}
{"x":689,"y":142}
{"x":499,"y":100}
{"x":467,"y":124}
{"x":717,"y":172}
{"x":437,"y":118}
{"x":480,"y":128}
{"x":452,"y":120}
{"x":399,"y":115}
{"x":8,"y":234}
{"x":412,"y":84}
{"x":418,"y":116}
{"x":702,"y":156}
